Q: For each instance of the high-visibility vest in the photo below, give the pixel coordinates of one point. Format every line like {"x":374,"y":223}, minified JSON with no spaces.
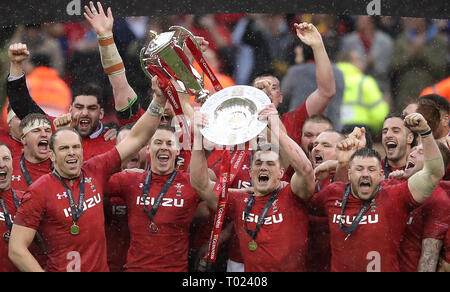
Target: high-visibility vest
{"x":362,"y":102}
{"x":441,"y":88}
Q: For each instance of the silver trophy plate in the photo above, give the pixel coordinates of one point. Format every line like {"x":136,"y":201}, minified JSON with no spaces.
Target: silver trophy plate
{"x":233,"y":115}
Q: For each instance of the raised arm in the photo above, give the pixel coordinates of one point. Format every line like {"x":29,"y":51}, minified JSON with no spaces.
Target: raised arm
{"x":318,"y":101}
{"x":199,"y":175}
{"x":125,"y":98}
{"x":423,"y":183}
{"x":146,"y":126}
{"x":16,"y":87}
{"x":356,"y":140}
{"x":302,"y":182}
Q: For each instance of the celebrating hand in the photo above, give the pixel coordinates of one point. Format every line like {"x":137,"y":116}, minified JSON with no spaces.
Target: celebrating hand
{"x":416,"y":123}
{"x":397,"y":174}
{"x":308,"y":34}
{"x":18,"y":52}
{"x":101,"y":23}
{"x":270,"y":113}
{"x":265,"y":85}
{"x":66,"y":120}
{"x":325,"y":169}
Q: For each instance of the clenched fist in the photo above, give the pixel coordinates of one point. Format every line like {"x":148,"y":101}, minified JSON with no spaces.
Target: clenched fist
{"x":416,"y":123}
{"x":18,"y":52}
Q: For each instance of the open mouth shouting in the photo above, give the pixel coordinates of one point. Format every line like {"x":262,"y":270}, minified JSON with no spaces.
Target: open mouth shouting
{"x":72,"y":162}
{"x":263,"y":178}
{"x":84,"y":124}
{"x":391,"y":147}
{"x":3,"y":175}
{"x":318,"y":159}
{"x":43,"y":146}
{"x":410,"y":165}
{"x":163,"y":159}
{"x":364,"y":186}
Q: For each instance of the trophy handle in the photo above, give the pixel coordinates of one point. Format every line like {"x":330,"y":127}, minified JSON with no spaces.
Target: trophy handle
{"x":143,"y":65}
{"x":180,"y":33}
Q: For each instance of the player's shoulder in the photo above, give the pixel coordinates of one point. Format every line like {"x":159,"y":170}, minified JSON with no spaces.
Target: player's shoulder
{"x":43,"y":182}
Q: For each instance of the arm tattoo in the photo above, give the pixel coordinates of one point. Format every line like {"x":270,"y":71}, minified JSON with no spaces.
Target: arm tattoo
{"x":430,"y":255}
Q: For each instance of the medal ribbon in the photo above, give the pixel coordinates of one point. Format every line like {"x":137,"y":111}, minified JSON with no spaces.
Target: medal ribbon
{"x":8,"y":221}
{"x":387,"y":168}
{"x":24,"y":170}
{"x":249,"y":207}
{"x":76,"y":211}
{"x":350,"y":229}
{"x":162,"y":193}
{"x":228,"y":171}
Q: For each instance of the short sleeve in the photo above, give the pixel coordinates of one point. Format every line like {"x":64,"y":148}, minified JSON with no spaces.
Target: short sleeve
{"x":402,"y":196}
{"x":31,"y":210}
{"x":293,"y":122}
{"x":113,"y":187}
{"x":436,"y":220}
{"x":105,"y":164}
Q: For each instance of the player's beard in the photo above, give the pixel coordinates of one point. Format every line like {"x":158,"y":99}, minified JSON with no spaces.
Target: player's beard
{"x":86,"y":131}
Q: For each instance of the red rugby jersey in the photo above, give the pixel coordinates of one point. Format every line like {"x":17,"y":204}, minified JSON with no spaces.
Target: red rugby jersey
{"x":46,"y":206}
{"x":117,"y":233}
{"x":5,"y":264}
{"x":16,"y":147}
{"x":166,"y":250}
{"x":282,"y":238}
{"x":35,"y":170}
{"x":373,"y":246}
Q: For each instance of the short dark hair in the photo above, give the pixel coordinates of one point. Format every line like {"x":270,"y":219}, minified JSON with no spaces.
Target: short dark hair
{"x":51,"y":143}
{"x":318,"y":118}
{"x":266,"y":147}
{"x":166,"y":128}
{"x":341,"y":136}
{"x":88,"y":89}
{"x":394,"y":115}
{"x":31,"y":118}
{"x":440,"y":101}
{"x":366,"y":153}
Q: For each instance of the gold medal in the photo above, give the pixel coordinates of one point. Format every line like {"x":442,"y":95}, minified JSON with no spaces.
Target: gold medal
{"x":74,"y":229}
{"x":252,"y":245}
{"x":6,"y":236}
{"x":153,"y":227}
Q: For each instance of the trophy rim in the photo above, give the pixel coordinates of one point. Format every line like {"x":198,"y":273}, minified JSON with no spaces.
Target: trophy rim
{"x":219,"y":134}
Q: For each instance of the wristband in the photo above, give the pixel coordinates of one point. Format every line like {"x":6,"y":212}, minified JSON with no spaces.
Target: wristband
{"x":155,"y":109}
{"x":111,"y":61}
{"x":426,"y":133}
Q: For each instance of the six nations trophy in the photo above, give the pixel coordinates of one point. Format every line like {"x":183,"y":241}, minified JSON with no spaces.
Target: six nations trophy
{"x":232,"y":112}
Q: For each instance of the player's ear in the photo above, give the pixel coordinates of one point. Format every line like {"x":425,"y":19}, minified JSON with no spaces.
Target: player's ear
{"x":52,"y":156}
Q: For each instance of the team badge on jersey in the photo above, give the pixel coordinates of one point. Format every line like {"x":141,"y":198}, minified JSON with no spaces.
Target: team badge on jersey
{"x":178,"y":186}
